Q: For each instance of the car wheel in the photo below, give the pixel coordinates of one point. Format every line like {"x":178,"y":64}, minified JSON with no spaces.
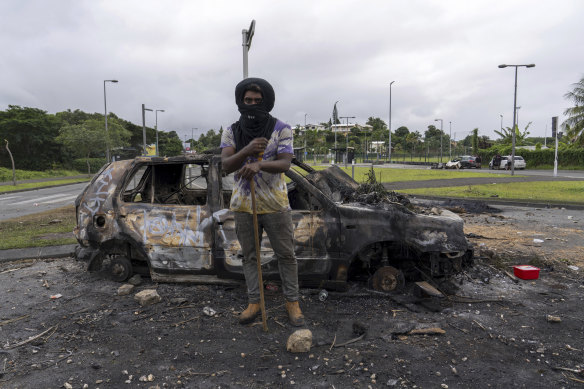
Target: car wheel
{"x":388,"y":279}
{"x":120,"y":269}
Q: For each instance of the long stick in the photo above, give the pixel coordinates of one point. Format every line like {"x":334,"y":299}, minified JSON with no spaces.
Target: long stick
{"x":258,"y":253}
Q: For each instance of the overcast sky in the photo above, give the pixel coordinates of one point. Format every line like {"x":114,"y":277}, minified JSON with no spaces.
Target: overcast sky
{"x":186,"y":57}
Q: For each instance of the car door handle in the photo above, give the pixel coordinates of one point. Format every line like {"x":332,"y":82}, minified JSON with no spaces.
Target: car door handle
{"x":350,"y":226}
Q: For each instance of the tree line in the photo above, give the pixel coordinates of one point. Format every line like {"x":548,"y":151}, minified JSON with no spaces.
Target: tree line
{"x":71,"y":139}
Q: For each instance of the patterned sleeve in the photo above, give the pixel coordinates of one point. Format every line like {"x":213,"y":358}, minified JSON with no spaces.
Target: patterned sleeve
{"x":286,"y":141}
{"x":227,"y":139}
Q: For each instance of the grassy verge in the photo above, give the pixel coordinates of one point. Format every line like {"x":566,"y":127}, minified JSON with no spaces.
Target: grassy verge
{"x":6,"y":174}
{"x":556,"y":191}
{"x":394,"y":175}
{"x":47,"y":228}
{"x":34,"y":185}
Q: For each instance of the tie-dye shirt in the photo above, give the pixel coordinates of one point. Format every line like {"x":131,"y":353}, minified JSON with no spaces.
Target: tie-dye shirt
{"x":270,"y":188}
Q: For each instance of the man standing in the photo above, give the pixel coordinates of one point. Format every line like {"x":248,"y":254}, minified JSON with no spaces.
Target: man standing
{"x":256,"y":134}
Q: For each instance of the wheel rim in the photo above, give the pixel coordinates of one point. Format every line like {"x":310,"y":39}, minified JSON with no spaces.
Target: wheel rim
{"x":388,"y":279}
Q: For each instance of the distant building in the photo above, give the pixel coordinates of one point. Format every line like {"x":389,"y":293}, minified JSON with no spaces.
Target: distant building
{"x":317,"y":127}
{"x":532,"y":148}
{"x":377,"y":146}
{"x":344,"y":128}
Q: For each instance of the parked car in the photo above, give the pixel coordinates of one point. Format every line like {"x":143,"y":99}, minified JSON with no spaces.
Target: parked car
{"x":506,"y":163}
{"x":468,"y":162}
{"x":463,"y":162}
{"x":453,"y":164}
{"x":170,"y":217}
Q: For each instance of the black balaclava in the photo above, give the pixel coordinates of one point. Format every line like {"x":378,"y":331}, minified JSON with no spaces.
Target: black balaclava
{"x":255,"y":120}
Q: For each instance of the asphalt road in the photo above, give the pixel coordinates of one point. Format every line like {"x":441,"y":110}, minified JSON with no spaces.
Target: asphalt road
{"x":16,"y":204}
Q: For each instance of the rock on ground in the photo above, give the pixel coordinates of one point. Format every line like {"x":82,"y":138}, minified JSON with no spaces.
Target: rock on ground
{"x":300,"y":341}
{"x":147,"y":297}
{"x":125,"y":289}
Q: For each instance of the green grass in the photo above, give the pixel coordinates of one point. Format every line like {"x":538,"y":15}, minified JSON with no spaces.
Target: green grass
{"x":34,"y":185}
{"x":556,"y":191}
{"x":6,"y":174}
{"x":37,"y":230}
{"x":394,"y":175}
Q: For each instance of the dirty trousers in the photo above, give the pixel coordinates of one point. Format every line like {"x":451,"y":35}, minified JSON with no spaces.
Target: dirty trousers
{"x":278,"y":227}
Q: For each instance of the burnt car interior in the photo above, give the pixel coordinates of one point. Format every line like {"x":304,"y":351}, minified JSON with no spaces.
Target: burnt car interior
{"x":177,"y":184}
{"x":186,"y":184}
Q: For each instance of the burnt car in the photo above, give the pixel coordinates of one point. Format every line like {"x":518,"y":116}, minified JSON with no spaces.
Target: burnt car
{"x":170,"y":217}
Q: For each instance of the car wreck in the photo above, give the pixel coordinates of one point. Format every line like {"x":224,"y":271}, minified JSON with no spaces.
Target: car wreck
{"x":170,"y":218}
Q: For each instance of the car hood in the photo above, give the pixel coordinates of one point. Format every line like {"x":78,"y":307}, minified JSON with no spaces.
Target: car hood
{"x":431,"y":230}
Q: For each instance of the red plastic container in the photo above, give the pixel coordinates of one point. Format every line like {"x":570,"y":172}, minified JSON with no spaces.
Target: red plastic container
{"x":526,"y":272}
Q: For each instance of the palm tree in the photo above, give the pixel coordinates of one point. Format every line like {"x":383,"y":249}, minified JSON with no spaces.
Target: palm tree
{"x":507,"y":134}
{"x":574,"y":124}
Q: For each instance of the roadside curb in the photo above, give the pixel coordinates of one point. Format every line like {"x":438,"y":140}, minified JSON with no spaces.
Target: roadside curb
{"x":37,"y":253}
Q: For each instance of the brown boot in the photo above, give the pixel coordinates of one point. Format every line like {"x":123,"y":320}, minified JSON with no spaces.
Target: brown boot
{"x":294,"y":313}
{"x":250,"y":313}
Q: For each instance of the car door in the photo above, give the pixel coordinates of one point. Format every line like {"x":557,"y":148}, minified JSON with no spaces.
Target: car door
{"x":169,"y":215}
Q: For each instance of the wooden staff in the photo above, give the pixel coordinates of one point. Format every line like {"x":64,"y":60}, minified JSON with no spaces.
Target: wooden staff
{"x":258,"y":252}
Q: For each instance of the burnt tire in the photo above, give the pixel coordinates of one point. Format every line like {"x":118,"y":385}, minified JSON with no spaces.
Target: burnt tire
{"x":388,"y":279}
{"x":120,"y":269}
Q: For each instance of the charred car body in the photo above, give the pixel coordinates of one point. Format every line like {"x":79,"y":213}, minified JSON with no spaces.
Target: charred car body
{"x":171,"y":217}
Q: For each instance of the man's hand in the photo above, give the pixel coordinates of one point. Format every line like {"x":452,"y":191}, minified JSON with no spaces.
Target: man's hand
{"x":255,"y":147}
{"x":249,"y":170}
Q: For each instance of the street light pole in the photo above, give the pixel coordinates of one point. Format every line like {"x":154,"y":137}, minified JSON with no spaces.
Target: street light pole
{"x":305,"y":151}
{"x":440,"y":138}
{"x":156,"y":128}
{"x":389,"y":146}
{"x":515,"y":112}
{"x":246,"y":36}
{"x":334,"y":120}
{"x":107,"y":150}
{"x":347,"y":137}
{"x":192,"y":137}
{"x":450,"y":142}
{"x":501,"y":121}
{"x":144,"y":109}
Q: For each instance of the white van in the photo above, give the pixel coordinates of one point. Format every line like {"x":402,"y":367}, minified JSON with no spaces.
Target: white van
{"x":506,"y":163}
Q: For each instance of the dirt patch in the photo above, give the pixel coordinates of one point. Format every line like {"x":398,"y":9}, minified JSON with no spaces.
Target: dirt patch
{"x":525,"y":237}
